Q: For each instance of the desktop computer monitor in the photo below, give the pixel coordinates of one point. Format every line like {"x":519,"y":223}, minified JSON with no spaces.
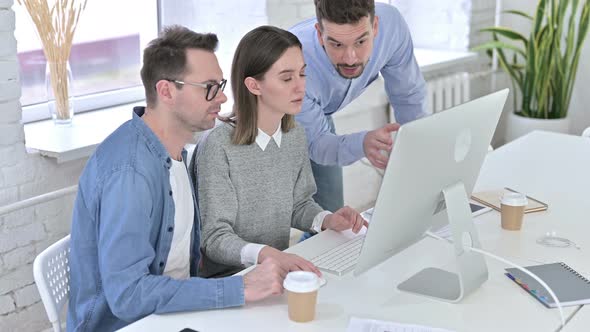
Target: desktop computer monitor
{"x":433,"y":166}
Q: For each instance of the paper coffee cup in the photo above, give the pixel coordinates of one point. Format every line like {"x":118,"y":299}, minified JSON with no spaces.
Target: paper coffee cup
{"x":512,"y":207}
{"x":302,"y":290}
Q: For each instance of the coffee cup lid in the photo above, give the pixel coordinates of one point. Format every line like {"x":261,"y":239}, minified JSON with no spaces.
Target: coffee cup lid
{"x":514,"y":199}
{"x":301,"y":282}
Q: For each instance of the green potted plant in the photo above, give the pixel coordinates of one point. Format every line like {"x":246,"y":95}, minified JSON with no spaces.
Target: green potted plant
{"x":543,"y":66}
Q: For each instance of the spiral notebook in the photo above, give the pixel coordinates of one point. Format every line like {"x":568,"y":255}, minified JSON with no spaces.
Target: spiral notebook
{"x":570,"y":287}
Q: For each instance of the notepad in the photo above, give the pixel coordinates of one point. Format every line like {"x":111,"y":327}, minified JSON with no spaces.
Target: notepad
{"x":570,"y":287}
{"x":492,"y":199}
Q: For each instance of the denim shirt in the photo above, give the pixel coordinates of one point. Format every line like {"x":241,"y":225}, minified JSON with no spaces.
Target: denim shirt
{"x":122,"y":227}
{"x":326,"y":92}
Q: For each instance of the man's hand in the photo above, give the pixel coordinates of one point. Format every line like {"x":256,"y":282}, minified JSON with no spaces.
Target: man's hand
{"x":288,"y":262}
{"x":379,"y":140}
{"x":343,"y":219}
{"x":264,"y":280}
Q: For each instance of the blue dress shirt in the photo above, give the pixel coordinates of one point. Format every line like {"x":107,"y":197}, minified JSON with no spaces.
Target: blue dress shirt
{"x":327,"y":92}
{"x":122,"y":228}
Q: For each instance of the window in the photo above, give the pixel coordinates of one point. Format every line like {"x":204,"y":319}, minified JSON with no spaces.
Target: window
{"x":443,"y":24}
{"x":105,"y":58}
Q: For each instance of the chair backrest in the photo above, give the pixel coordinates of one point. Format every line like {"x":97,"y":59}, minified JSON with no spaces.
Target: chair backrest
{"x":51,"y":270}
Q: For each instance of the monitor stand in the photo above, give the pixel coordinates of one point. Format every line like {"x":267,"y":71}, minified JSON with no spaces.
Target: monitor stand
{"x":471,"y":267}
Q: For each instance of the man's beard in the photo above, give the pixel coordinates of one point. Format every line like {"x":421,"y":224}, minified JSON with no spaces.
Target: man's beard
{"x":340,"y":66}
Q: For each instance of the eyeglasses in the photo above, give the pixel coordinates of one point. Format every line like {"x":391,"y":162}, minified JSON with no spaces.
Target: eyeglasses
{"x":212,"y":88}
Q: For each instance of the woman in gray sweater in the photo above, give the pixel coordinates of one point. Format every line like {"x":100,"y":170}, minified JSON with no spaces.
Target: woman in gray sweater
{"x":254,"y":179}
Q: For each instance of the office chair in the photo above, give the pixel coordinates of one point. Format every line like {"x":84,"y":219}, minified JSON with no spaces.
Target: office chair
{"x":52,"y":275}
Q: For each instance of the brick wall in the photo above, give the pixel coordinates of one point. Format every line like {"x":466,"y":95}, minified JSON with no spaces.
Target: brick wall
{"x":24,"y":234}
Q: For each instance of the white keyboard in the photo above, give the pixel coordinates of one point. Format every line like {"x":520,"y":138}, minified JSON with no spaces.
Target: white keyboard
{"x":341,"y":259}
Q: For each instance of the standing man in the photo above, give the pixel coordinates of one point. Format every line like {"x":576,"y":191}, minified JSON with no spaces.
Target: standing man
{"x":136,"y":229}
{"x":345,"y":48}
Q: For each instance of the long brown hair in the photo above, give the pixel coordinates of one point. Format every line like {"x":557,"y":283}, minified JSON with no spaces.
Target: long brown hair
{"x":258,"y":50}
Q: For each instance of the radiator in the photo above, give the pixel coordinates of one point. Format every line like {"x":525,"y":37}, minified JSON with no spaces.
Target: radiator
{"x":453,"y":89}
{"x":447,"y":91}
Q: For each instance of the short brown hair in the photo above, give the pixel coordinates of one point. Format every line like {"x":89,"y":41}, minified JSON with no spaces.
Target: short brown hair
{"x":258,"y":50}
{"x":165,"y":56}
{"x":344,"y":11}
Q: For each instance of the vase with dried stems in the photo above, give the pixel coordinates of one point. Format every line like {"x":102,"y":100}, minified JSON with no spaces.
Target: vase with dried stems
{"x":58,"y":85}
{"x":56,"y":25}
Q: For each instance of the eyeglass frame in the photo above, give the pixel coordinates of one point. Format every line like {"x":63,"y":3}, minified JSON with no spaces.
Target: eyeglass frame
{"x":207,"y":86}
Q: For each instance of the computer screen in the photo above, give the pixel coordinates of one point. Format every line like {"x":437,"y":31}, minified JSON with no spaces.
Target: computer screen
{"x":433,"y":166}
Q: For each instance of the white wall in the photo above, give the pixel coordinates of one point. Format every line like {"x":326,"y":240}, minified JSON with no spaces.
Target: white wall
{"x":580,"y":103}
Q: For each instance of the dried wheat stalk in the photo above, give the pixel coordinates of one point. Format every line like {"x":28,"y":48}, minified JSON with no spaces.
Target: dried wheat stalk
{"x":56,"y":28}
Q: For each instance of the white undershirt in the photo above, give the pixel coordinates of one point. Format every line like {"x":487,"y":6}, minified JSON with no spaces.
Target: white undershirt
{"x":249,"y":253}
{"x":178,"y":263}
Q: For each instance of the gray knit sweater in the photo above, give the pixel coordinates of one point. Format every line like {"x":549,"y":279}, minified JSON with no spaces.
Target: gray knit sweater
{"x":247,"y":195}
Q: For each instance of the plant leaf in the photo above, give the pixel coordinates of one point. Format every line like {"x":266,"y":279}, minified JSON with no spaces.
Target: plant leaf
{"x":519,"y":13}
{"x":508,"y":33}
{"x":507,"y":68}
{"x":499,"y":45}
{"x":539,"y":15}
{"x":529,"y":78}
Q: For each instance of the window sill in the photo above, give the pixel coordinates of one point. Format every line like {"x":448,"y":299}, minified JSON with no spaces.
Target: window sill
{"x":88,"y":130}
{"x":431,"y":61}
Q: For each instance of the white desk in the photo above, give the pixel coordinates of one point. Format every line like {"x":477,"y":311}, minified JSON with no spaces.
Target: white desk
{"x":580,"y":321}
{"x":374,"y":295}
{"x":499,"y":305}
{"x":555,"y":169}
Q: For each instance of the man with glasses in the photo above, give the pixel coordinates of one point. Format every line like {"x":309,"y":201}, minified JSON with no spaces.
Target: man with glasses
{"x":346,"y":47}
{"x":211,"y":87}
{"x":136,"y":230}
